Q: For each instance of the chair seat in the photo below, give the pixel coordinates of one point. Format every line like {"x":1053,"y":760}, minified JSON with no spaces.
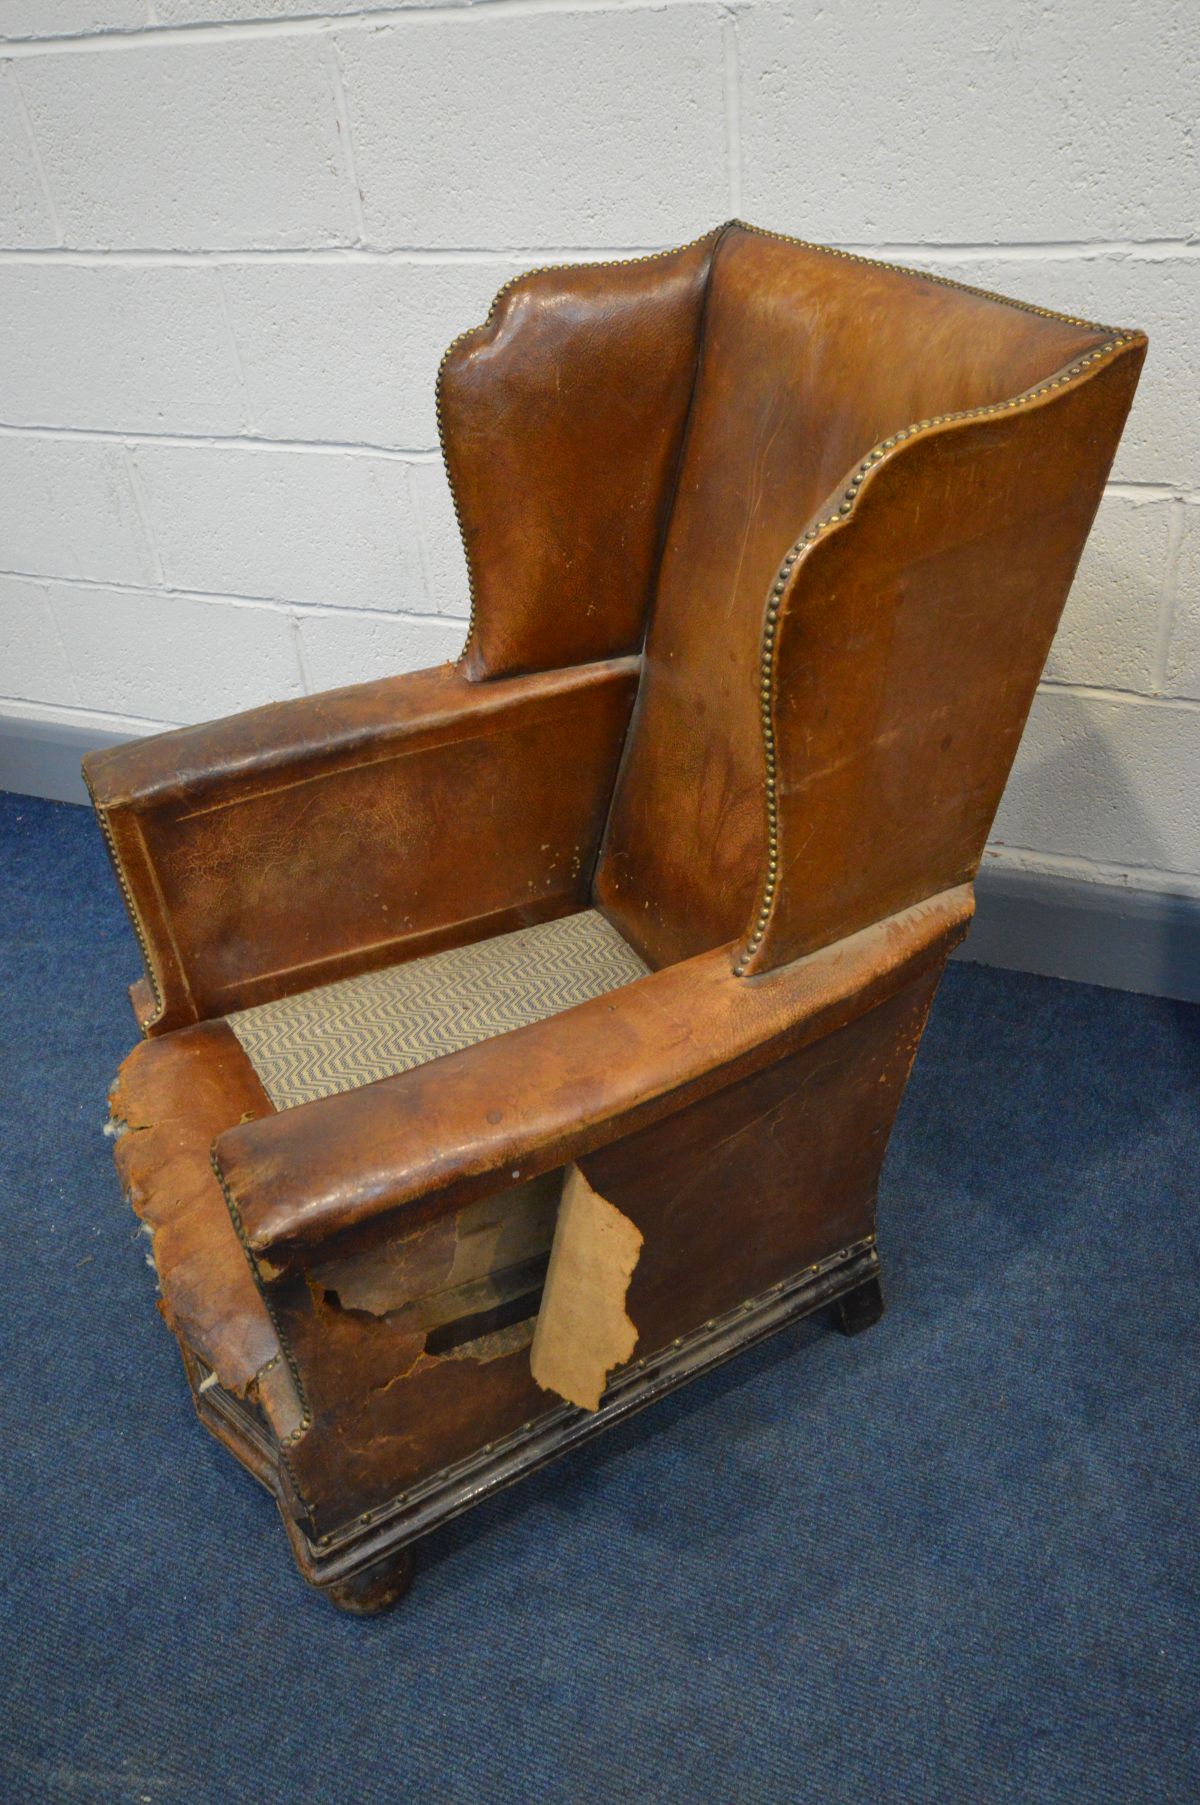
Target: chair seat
{"x":358,"y":1030}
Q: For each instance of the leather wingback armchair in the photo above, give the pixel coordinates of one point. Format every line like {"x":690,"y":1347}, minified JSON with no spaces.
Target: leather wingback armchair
{"x":523,"y":1037}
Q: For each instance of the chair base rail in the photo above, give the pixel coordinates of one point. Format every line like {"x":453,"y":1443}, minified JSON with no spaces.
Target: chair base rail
{"x":360,"y":1566}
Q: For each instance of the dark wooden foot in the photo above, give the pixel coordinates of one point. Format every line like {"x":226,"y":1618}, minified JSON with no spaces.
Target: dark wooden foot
{"x":861,"y":1308}
{"x":375,"y":1588}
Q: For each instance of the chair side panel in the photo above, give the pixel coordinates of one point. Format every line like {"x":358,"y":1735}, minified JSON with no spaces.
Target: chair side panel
{"x":742,"y":1191}
{"x":732,"y":1195}
{"x":430,"y":835}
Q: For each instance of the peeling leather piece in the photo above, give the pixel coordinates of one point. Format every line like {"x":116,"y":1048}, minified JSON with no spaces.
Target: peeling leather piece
{"x":583,"y":1329}
{"x":387,"y":1279}
{"x":414,"y":1359}
{"x":172,"y":1098}
{"x":442,"y":1310}
{"x":463,"y":1288}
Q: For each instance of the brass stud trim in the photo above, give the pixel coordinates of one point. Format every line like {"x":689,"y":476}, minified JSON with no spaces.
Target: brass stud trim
{"x":653,"y":257}
{"x":807,"y":244}
{"x":140,"y":931}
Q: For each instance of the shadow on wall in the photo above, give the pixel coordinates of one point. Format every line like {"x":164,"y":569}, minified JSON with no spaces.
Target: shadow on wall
{"x":1094,"y":774}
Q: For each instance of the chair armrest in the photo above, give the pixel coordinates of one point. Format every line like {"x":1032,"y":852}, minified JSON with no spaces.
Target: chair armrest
{"x":310,"y":840}
{"x":442,"y":1134}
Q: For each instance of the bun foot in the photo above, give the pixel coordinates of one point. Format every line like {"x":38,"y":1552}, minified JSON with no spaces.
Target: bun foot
{"x":861,"y":1308}
{"x":376,"y":1588}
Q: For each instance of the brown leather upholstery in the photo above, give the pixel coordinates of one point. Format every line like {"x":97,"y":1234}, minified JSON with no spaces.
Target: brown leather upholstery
{"x":809,"y":361}
{"x":767,"y":547}
{"x":172,"y":1100}
{"x":310,"y":840}
{"x":562,"y":420}
{"x":449,"y":1131}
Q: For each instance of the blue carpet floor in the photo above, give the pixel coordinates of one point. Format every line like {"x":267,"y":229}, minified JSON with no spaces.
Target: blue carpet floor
{"x":951,"y":1560}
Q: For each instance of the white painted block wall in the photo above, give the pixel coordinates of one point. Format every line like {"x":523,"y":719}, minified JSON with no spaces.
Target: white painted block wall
{"x":238,"y":233}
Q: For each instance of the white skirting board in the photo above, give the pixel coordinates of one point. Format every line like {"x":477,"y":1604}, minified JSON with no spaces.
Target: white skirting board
{"x":1062,"y":927}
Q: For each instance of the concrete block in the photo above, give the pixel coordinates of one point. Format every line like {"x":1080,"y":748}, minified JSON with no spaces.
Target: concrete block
{"x":117,"y":348}
{"x":1110,"y":627}
{"x":174,"y":658}
{"x":352,"y":648}
{"x":445,"y":559}
{"x":65,"y":18}
{"x":349,"y":352}
{"x":69,"y":510}
{"x":558,"y":128}
{"x":1111,"y":780}
{"x":1183,"y":655}
{"x":202,"y":12}
{"x":192,"y":145}
{"x":1007,"y":122}
{"x":297,"y":526}
{"x":33,"y":663}
{"x":24,"y":216}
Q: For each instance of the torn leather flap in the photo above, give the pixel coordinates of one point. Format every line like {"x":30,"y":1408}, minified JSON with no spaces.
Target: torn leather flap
{"x":171,"y":1098}
{"x":583,"y":1329}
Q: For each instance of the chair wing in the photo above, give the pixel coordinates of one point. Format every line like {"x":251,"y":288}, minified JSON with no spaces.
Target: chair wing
{"x":810,"y":360}
{"x":902,"y":644}
{"x":562,"y":419}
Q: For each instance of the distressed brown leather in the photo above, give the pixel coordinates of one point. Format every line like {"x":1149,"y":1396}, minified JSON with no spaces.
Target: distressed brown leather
{"x":562,"y":420}
{"x":310,"y":840}
{"x":745,"y":1187}
{"x":767,"y":547}
{"x":438,"y":1136}
{"x":758,"y":1166}
{"x":911,"y":639}
{"x":172,"y":1098}
{"x":810,"y":359}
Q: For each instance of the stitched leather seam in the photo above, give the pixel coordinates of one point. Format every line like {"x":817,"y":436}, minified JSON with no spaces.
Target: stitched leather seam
{"x":845,"y":507}
{"x":474,"y":331}
{"x":904,"y":269}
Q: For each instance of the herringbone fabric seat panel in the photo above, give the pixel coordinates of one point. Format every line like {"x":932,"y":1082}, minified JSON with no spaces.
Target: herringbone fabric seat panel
{"x":360,"y":1029}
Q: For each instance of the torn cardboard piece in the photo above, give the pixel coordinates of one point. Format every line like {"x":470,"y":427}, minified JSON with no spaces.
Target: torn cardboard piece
{"x":583,"y":1329}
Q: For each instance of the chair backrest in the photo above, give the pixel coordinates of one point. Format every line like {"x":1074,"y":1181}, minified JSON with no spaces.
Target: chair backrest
{"x":849,"y":533}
